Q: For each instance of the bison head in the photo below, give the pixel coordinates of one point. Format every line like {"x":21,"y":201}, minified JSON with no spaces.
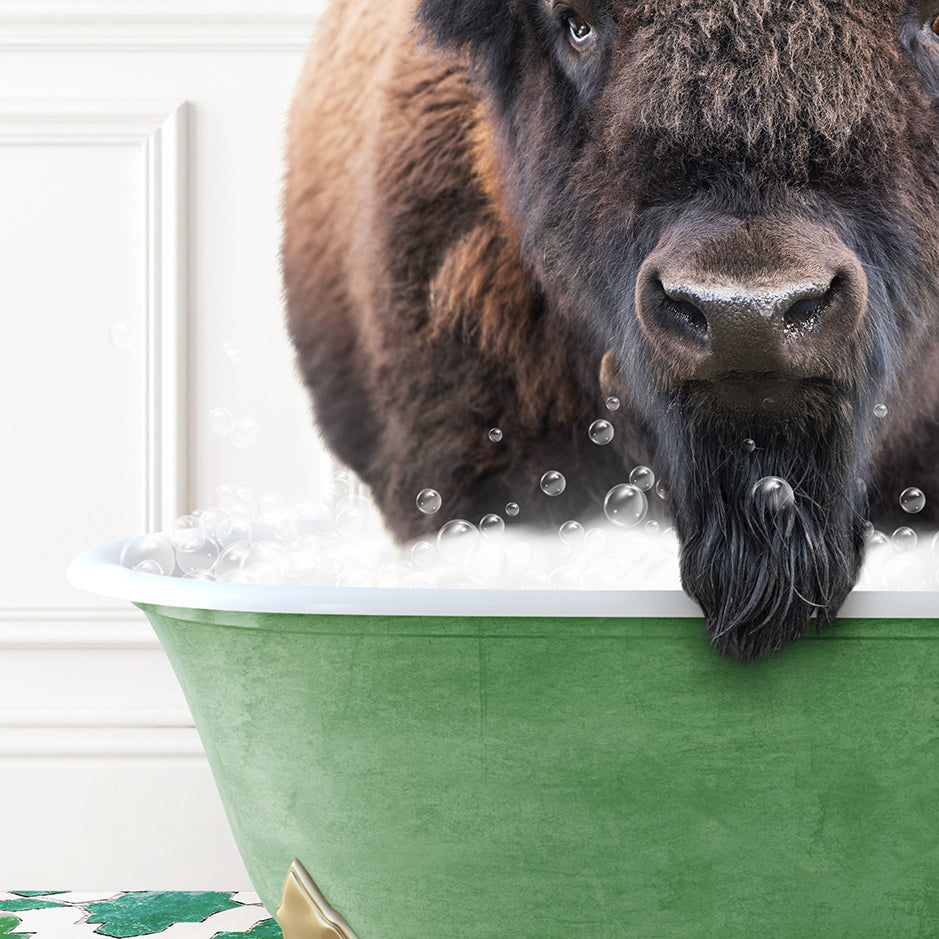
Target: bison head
{"x":737,"y":201}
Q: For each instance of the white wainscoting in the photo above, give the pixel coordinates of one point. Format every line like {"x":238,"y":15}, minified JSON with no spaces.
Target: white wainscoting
{"x":140,"y":172}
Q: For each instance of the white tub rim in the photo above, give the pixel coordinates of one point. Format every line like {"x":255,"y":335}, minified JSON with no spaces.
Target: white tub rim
{"x":98,"y":571}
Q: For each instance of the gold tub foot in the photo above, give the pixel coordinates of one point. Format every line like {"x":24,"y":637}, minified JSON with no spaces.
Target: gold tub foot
{"x":304,"y":913}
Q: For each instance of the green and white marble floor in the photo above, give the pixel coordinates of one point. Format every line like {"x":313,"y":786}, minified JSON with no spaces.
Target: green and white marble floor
{"x":68,"y":914}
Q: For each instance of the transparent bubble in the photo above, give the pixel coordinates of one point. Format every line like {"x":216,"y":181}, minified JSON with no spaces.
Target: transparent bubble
{"x":536,"y":580}
{"x":226,"y":495}
{"x":521,"y":555}
{"x":221,"y":421}
{"x":488,"y":564}
{"x":201,"y":558}
{"x":351,"y":517}
{"x":553,"y":483}
{"x":282,"y":524}
{"x":566,"y":576}
{"x":423,"y":553}
{"x":187,"y":533}
{"x":612,"y":403}
{"x":748,"y":445}
{"x":512,"y":509}
{"x":769,"y":403}
{"x":912,"y":500}
{"x":660,"y":490}
{"x":271,"y":504}
{"x":642,"y":478}
{"x":211,"y":517}
{"x":429,"y":501}
{"x":600,"y":432}
{"x":122,"y":336}
{"x":457,"y":540}
{"x":904,"y":539}
{"x":772,"y":494}
{"x":571,"y":533}
{"x":237,"y":525}
{"x":652,"y":526}
{"x":625,"y":505}
{"x":596,"y":540}
{"x":876,"y":538}
{"x":148,"y":566}
{"x":232,"y":352}
{"x":244,"y":433}
{"x":495,"y":435}
{"x":233,"y":560}
{"x":156,"y":548}
{"x":338,"y":486}
{"x":880,"y":410}
{"x":491,"y":525}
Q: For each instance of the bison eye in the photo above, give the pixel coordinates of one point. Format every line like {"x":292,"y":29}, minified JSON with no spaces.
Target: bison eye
{"x":934,"y":26}
{"x":580,"y":30}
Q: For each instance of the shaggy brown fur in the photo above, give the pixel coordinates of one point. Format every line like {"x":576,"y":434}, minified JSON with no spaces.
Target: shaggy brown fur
{"x":471,"y":202}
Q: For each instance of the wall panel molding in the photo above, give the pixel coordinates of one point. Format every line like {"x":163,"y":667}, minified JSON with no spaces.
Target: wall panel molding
{"x":159,"y":131}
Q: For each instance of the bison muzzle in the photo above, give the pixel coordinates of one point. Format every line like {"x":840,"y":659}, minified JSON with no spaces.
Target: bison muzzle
{"x":722,"y":211}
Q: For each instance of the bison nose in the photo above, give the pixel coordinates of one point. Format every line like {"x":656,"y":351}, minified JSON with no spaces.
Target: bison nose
{"x":791,"y":317}
{"x":743,"y":328}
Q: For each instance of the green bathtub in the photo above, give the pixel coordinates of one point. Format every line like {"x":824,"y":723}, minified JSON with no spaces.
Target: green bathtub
{"x":581,"y":765}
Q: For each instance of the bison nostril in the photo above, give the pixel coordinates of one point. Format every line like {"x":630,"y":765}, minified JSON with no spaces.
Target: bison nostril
{"x":689,"y":315}
{"x":806,"y":310}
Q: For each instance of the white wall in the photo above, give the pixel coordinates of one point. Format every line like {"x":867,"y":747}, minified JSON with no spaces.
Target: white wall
{"x":140,"y":148}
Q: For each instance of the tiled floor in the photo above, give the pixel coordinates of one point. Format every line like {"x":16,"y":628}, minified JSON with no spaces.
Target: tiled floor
{"x":58,"y":914}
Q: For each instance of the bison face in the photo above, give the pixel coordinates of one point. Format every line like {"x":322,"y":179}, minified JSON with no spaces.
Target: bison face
{"x":737,"y":203}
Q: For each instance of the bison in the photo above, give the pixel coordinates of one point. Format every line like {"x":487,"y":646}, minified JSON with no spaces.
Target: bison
{"x":724,"y":212}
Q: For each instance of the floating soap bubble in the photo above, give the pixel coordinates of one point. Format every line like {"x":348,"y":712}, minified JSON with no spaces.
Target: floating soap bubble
{"x":772,"y":494}
{"x":122,"y":336}
{"x":625,"y":505}
{"x":553,"y":483}
{"x":652,"y":526}
{"x":244,"y":433}
{"x":880,"y":410}
{"x":769,"y":404}
{"x":571,"y":533}
{"x":339,"y":486}
{"x":232,"y":352}
{"x":423,"y":553}
{"x":428,"y":501}
{"x":187,"y":533}
{"x":912,"y":500}
{"x":221,"y":421}
{"x":211,"y":517}
{"x":495,"y":435}
{"x":876,"y":539}
{"x":748,"y":445}
{"x":642,"y":478}
{"x":198,"y":559}
{"x":600,"y":432}
{"x":457,"y":540}
{"x":491,"y":525}
{"x":512,"y":509}
{"x":660,"y":490}
{"x":156,"y":550}
{"x":612,"y":403}
{"x":904,"y":539}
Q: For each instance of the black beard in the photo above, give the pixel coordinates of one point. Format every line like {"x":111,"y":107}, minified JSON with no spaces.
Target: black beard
{"x":759,"y":571}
